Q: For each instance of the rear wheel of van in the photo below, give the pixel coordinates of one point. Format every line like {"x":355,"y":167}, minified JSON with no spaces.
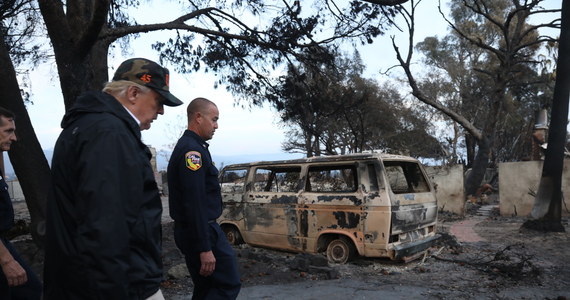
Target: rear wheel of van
{"x":233,"y":235}
{"x":340,"y":250}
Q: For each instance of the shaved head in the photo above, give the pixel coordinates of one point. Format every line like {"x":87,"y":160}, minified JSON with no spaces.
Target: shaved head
{"x":198,"y":105}
{"x":203,"y":117}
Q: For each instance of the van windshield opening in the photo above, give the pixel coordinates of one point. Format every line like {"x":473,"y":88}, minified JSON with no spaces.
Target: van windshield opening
{"x":405,"y":177}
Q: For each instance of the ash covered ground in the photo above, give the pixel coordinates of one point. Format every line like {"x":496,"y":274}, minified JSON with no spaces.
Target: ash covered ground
{"x":509,"y":263}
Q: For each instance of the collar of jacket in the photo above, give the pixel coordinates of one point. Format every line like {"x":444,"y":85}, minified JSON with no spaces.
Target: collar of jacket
{"x":198,"y":138}
{"x":99,"y":102}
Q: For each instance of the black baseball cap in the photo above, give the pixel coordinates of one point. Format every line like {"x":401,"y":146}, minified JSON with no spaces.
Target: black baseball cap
{"x":150,"y":74}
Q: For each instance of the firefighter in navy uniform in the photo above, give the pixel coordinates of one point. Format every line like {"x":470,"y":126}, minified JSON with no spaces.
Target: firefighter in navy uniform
{"x":195,"y":203}
{"x":17,"y":280}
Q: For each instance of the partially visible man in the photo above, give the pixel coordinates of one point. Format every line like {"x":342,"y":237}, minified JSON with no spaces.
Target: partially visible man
{"x":195,"y":203}
{"x":103,"y":238}
{"x":17,"y":280}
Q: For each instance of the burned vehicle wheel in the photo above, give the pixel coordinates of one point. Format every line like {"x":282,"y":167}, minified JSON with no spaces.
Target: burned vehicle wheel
{"x":340,"y":250}
{"x":233,"y":235}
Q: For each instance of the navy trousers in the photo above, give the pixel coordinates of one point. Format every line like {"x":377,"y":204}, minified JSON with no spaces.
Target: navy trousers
{"x":31,"y":290}
{"x":225,"y":282}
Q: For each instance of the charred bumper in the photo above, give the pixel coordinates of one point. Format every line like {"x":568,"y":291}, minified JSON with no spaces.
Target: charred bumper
{"x":401,"y":252}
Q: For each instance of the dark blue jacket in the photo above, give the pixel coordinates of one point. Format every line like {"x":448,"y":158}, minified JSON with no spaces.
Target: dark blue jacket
{"x":193,"y":189}
{"x":103,"y":236}
{"x":6,"y":209}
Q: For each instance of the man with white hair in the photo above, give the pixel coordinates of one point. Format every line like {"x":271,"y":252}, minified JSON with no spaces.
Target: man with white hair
{"x":103,"y":238}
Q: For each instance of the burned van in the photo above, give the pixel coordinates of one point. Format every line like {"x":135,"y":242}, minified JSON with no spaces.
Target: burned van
{"x":372,"y":205}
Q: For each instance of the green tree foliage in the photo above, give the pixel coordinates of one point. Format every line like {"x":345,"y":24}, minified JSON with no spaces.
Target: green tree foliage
{"x":336,"y":111}
{"x":242,"y":42}
{"x":244,"y":55}
{"x":465,"y":82}
{"x":487,"y":68}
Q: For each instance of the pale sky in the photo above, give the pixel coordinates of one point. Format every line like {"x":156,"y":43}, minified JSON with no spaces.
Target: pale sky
{"x":241,"y":131}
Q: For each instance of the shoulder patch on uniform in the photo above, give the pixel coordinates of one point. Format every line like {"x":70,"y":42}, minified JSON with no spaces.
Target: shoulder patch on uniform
{"x":193,"y":160}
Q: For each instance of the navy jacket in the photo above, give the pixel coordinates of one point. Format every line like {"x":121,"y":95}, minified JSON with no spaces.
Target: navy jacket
{"x":193,"y":189}
{"x":6,"y":209}
{"x":103,"y":236}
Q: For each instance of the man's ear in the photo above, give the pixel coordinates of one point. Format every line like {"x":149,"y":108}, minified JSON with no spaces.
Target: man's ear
{"x":132,"y":93}
{"x":198,"y":117}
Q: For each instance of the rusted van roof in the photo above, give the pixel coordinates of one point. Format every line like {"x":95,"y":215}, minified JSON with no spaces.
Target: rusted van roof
{"x":331,"y":158}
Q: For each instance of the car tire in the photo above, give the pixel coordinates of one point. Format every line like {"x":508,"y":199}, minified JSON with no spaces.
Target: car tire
{"x":340,"y":250}
{"x":233,"y":235}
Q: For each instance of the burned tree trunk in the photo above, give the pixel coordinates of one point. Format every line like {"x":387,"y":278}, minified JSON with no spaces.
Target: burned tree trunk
{"x":480,"y":163}
{"x":547,"y":210}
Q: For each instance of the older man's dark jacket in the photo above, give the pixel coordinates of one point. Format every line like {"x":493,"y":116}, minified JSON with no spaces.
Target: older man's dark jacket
{"x":103,"y":236}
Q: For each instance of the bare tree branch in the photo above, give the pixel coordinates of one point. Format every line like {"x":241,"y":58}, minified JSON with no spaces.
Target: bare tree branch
{"x":387,"y":2}
{"x":416,"y":91}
